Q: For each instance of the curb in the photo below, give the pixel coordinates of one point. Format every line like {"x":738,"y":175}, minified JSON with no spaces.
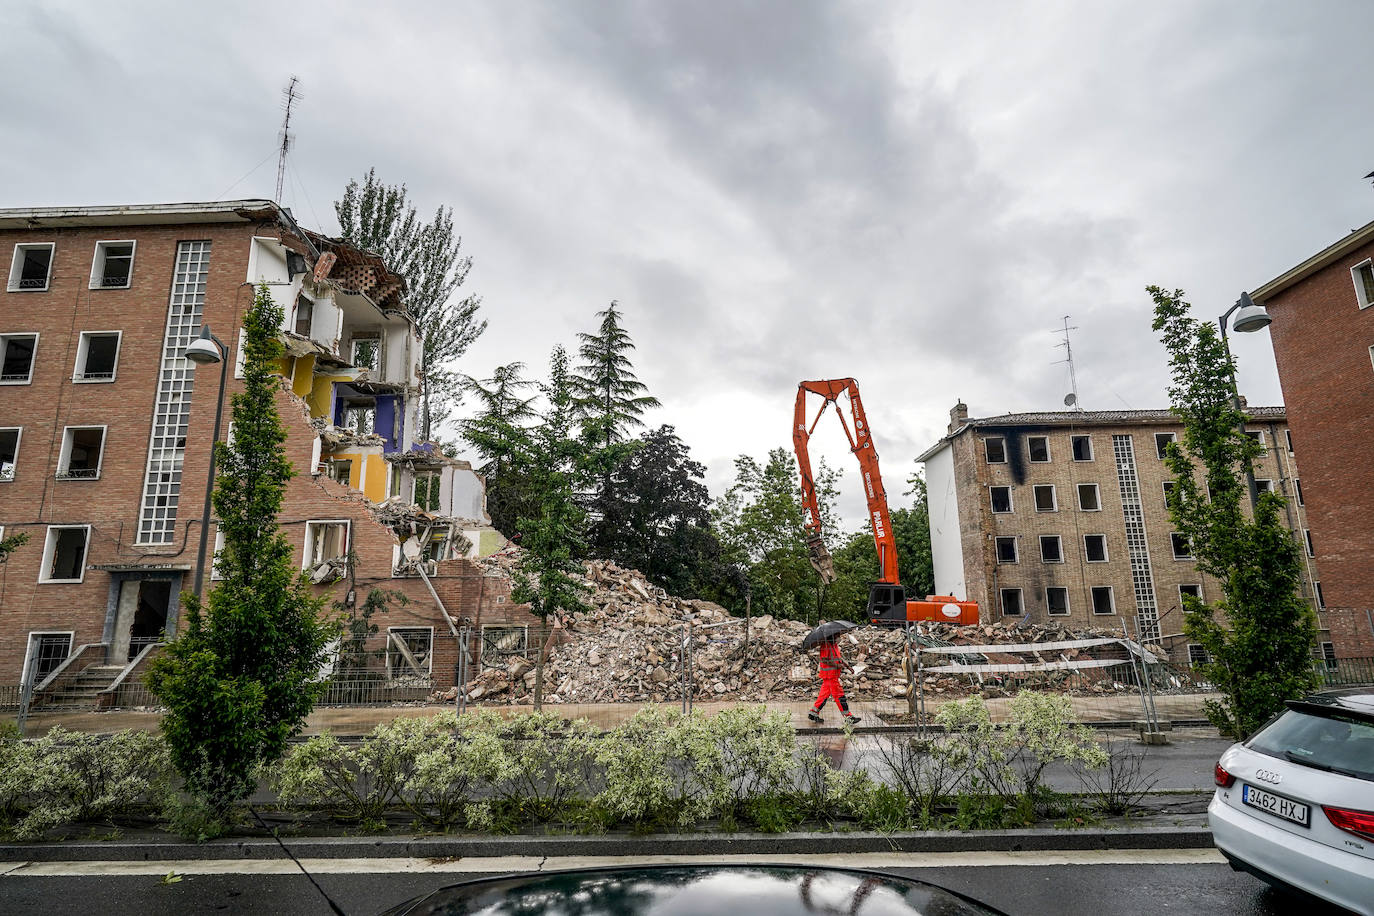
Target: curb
{"x":664,"y":845}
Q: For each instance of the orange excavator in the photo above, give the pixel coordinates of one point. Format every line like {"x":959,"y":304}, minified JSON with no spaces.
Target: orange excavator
{"x":887,"y":601}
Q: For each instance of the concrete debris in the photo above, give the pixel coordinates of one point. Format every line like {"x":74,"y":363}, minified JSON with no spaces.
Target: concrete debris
{"x":628,"y":646}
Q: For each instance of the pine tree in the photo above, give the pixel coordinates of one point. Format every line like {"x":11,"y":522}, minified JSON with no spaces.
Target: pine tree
{"x":499,"y":433}
{"x":546,"y":575}
{"x":1261,"y":632}
{"x":379,"y":218}
{"x":243,"y":674}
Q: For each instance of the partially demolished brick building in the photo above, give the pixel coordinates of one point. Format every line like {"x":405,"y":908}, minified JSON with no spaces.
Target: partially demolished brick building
{"x":105,"y":431}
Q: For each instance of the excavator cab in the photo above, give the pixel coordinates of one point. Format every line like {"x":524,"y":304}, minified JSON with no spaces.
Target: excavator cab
{"x":887,"y":604}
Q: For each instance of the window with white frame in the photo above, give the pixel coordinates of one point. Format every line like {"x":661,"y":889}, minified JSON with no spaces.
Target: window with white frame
{"x":1197,"y":655}
{"x":426,"y":494}
{"x":1089,"y":499}
{"x":9,"y":450}
{"x":31,"y":268}
{"x":1104,"y":602}
{"x":366,"y":350}
{"x":324,"y":541}
{"x":113,"y":267}
{"x":1189,"y":591}
{"x":215,"y":573}
{"x":1095,"y":548}
{"x":1288,"y":433}
{"x":409,"y":652}
{"x":1038,"y":448}
{"x":1168,"y":490}
{"x":1307,"y":539}
{"x":16,"y":358}
{"x":46,"y":653}
{"x":64,"y":553}
{"x":1057,"y":601}
{"x":1001,"y":498}
{"x":1363,"y":275}
{"x":1162,"y":441}
{"x":1297,"y":490}
{"x":1044,"y":498}
{"x":1256,"y":436}
{"x":1011,"y":602}
{"x":995,"y":449}
{"x":1182,"y":549}
{"x":97,"y":356}
{"x":1082,"y":447}
{"x":83,"y":447}
{"x":1264,"y":485}
{"x":1321,"y":596}
{"x":1006,"y":549}
{"x":1051,"y":549}
{"x":305,"y":313}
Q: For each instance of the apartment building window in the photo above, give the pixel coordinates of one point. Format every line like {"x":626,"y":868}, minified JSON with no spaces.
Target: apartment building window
{"x":1256,"y":435}
{"x":1044,"y":498}
{"x":341,"y":469}
{"x":427,"y":490}
{"x":1168,"y":491}
{"x":1288,"y":435}
{"x":1089,"y":499}
{"x":9,"y":451}
{"x":360,"y":416}
{"x":82,"y":450}
{"x":113,"y":266}
{"x":1001,"y":498}
{"x":1307,"y":539}
{"x":64,"y":553}
{"x":1038,"y":448}
{"x":1264,"y":485}
{"x":1182,"y":549}
{"x":1297,"y":490}
{"x":995,"y":448}
{"x":1189,"y":591}
{"x":1082,"y":447}
{"x":1051,"y":550}
{"x":31,"y":268}
{"x":305,"y":311}
{"x":16,"y":358}
{"x":97,"y":355}
{"x":1363,"y":275}
{"x":1321,"y":596}
{"x":1006,"y":550}
{"x":1162,"y":441}
{"x":1011,"y":602}
{"x":1057,"y":601}
{"x":324,"y":541}
{"x":366,"y":350}
{"x":1329,"y":655}
{"x":502,"y":643}
{"x":1197,"y":655}
{"x":1095,"y":548}
{"x":409,"y":651}
{"x":46,"y":653}
{"x":1104,"y":602}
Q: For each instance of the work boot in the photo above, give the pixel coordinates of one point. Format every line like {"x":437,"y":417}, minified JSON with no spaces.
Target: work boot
{"x":852,"y":719}
{"x":814,"y":716}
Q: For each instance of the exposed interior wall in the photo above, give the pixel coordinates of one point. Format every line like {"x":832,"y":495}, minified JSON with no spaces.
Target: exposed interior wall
{"x":946,"y":546}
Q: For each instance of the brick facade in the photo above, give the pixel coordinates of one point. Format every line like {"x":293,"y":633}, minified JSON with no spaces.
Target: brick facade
{"x":1324,"y":347}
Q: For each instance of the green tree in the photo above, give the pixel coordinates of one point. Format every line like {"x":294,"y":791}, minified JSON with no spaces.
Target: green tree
{"x":660,"y":524}
{"x":547,"y":574}
{"x":1260,"y":633}
{"x":499,"y":434}
{"x":244,"y":672}
{"x":12,"y":543}
{"x":379,"y":218}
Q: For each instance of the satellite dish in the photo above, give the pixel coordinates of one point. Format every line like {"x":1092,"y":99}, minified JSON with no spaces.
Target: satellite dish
{"x":1070,"y":400}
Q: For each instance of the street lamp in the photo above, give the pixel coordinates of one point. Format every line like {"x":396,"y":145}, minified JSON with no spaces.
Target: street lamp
{"x":206,"y":350}
{"x":1251,"y":317}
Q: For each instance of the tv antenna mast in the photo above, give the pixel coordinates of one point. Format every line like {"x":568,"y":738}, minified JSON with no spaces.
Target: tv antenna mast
{"x":289,"y":94}
{"x":1070,"y":399}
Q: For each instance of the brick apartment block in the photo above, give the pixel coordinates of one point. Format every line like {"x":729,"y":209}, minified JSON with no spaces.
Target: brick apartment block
{"x":105,"y":432}
{"x":1060,"y":516}
{"x":1323,"y":337}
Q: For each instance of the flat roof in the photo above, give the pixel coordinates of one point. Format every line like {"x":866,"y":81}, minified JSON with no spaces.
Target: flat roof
{"x":224,"y":211}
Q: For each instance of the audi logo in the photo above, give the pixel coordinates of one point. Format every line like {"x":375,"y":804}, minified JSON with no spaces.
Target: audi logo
{"x":1269,"y":776}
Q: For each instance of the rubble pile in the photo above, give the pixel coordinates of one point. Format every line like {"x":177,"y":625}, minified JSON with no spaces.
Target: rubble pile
{"x":627,"y":648}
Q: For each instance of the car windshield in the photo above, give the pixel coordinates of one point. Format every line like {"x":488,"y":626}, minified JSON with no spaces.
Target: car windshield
{"x":1336,"y":742}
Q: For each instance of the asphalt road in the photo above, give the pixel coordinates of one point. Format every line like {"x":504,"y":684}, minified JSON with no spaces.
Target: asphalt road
{"x":1121,"y":883}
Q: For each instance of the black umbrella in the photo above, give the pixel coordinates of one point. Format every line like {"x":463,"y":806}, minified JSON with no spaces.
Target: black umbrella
{"x":825,"y":631}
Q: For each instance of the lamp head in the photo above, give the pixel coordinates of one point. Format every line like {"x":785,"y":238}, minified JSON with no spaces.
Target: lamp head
{"x":203,"y":351}
{"x":1250,"y":317}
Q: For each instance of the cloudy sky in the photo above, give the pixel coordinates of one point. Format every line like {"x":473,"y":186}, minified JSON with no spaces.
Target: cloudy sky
{"x":913,"y":194}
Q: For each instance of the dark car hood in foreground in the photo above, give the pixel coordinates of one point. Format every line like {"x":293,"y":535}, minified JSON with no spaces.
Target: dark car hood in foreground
{"x":716,"y":890}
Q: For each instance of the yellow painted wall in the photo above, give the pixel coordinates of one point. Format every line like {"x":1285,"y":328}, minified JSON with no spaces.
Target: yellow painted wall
{"x":321,"y":393}
{"x":355,"y":471}
{"x":374,"y":478}
{"x":304,"y":379}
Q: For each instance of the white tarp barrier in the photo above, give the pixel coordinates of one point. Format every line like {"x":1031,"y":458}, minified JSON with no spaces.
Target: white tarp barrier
{"x":1028,"y":666}
{"x":1018,"y":647}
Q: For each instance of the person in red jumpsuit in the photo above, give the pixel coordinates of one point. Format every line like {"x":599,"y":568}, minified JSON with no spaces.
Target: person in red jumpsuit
{"x":829,"y":671}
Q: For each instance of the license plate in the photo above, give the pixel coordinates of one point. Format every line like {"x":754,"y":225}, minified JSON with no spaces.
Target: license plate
{"x":1277,"y":805}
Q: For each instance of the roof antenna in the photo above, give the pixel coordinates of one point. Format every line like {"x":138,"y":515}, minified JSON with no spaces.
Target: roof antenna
{"x":290,"y":95}
{"x":1070,"y":399}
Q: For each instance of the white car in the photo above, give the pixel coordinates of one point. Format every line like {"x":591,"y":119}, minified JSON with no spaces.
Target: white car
{"x":1294,"y":804}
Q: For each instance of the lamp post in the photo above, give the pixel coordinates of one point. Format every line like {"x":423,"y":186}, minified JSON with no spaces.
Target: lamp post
{"x":206,"y":350}
{"x":1252,"y":317}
